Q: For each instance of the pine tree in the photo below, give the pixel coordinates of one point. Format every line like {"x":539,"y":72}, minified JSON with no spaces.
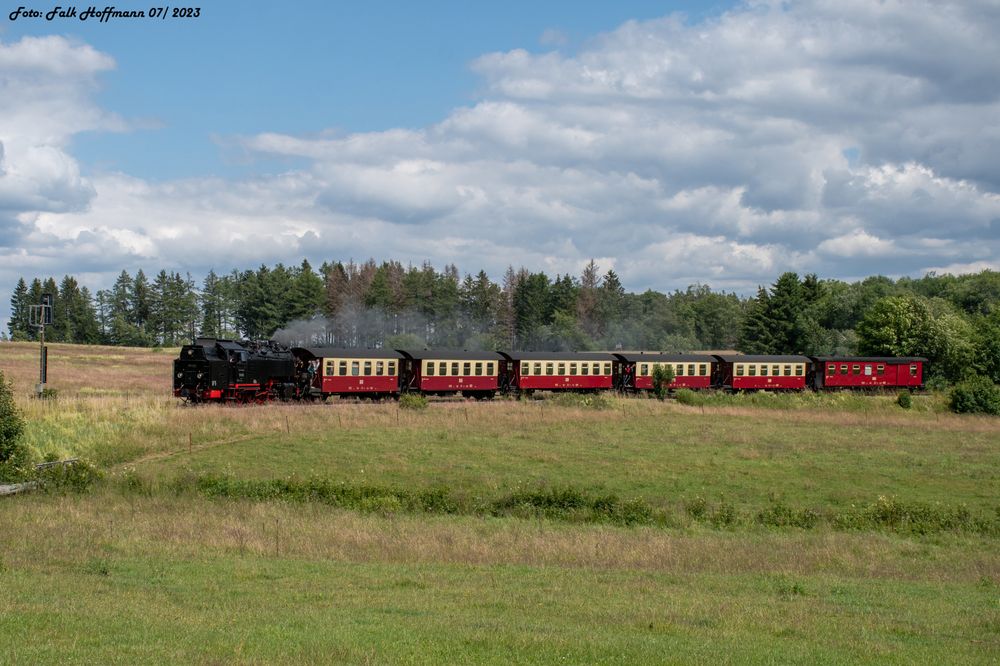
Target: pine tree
{"x":756,"y":334}
{"x":19,"y":324}
{"x":306,"y":299}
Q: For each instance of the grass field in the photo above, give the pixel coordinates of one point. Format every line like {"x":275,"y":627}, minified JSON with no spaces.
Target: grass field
{"x":287,"y":533}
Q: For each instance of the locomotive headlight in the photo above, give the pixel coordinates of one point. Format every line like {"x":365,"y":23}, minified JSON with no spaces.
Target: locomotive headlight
{"x":200,"y":375}
{"x":179,"y":375}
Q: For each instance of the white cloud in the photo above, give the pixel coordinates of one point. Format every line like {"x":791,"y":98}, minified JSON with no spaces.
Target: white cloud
{"x":676,"y":152}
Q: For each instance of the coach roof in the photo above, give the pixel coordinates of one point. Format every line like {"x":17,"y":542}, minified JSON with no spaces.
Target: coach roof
{"x":333,"y":352}
{"x":763,"y":358}
{"x":871,"y":359}
{"x":654,"y":357}
{"x":559,"y":356}
{"x":450,"y":355}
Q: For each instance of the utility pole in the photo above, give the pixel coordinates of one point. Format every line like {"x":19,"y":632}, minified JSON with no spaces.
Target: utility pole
{"x":39,"y":316}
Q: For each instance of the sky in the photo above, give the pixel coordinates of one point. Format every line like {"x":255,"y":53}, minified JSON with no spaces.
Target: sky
{"x":684,"y":142}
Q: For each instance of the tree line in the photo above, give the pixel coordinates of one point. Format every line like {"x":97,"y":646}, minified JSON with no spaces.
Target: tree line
{"x":954,"y":321}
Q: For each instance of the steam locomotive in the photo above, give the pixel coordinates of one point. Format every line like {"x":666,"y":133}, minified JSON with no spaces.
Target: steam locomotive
{"x":212,"y":370}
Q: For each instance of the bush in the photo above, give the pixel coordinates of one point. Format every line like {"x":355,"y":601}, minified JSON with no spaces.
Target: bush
{"x":663,"y":374}
{"x":976,"y":396}
{"x":904,"y":400}
{"x":412,"y":401}
{"x":585,"y":400}
{"x":78,"y":477}
{"x":689,"y":397}
{"x":13,"y":452}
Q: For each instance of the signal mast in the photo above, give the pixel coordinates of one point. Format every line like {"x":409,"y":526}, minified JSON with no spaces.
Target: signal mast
{"x":40,"y":316}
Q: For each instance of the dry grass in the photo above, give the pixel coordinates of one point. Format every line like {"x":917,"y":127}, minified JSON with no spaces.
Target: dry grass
{"x":70,"y":528}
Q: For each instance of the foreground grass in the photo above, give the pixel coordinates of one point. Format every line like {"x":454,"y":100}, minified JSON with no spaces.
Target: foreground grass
{"x":146,"y":579}
{"x":164,"y":561}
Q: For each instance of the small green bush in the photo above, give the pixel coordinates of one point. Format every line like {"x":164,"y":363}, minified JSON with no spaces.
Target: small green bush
{"x":663,"y":374}
{"x":904,"y":400}
{"x":77,"y":478}
{"x":781,"y":515}
{"x":976,"y":396}
{"x":585,"y":400}
{"x":14,"y":454}
{"x":689,"y":397}
{"x":412,"y":401}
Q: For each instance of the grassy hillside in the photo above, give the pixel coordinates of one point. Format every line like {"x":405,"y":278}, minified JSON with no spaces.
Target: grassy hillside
{"x":287,"y":533}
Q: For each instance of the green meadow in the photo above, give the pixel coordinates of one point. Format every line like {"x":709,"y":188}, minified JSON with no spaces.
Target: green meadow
{"x":763,"y":529}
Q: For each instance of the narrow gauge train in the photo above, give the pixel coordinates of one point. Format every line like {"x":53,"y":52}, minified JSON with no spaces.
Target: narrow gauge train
{"x":223,"y":370}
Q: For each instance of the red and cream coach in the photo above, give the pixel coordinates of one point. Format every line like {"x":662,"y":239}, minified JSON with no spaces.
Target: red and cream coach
{"x":748,"y":372}
{"x":560,"y":371}
{"x":691,"y":371}
{"x":474,"y":374}
{"x":349,"y":372}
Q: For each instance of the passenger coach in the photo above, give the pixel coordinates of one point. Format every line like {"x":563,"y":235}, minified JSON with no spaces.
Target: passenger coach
{"x":747,"y":372}
{"x":473,"y":374}
{"x":858,"y":372}
{"x":692,"y":371}
{"x":560,"y":371}
{"x":349,"y":372}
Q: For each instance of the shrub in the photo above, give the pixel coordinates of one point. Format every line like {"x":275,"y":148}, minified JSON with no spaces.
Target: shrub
{"x":13,"y":452}
{"x":904,"y":400}
{"x":412,"y":401}
{"x":781,"y":515}
{"x":78,"y":477}
{"x":585,"y":400}
{"x":689,"y":397}
{"x":663,"y":374}
{"x":976,"y":396}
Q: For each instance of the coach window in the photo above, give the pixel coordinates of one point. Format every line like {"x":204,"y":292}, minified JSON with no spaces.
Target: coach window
{"x":479,"y":369}
{"x":880,"y":368}
{"x":739,"y":369}
{"x":343,"y":369}
{"x":787,"y":370}
{"x":644,"y":369}
{"x":467,"y":369}
{"x":913,"y":370}
{"x":379,"y":368}
{"x":538,"y":369}
{"x":607,"y":368}
{"x":843,"y":369}
{"x":868,"y":370}
{"x":572,"y":368}
{"x":584,"y":368}
{"x":355,"y":368}
{"x":691,"y":370}
{"x":856,"y":369}
{"x":562,"y":368}
{"x":763,"y":371}
{"x":775,"y":370}
{"x":703,"y":369}
{"x":368,"y":368}
{"x":390,"y":368}
{"x":549,"y":368}
{"x":525,"y":368}
{"x":430,"y":369}
{"x":753,"y":370}
{"x":831,"y":369}
{"x":328,"y":368}
{"x":799,"y":369}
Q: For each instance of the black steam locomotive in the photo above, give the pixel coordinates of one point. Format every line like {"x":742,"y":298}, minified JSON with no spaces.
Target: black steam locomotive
{"x":223,"y":370}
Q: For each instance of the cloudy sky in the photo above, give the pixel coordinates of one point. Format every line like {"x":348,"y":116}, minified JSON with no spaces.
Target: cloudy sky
{"x":676,"y":142}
